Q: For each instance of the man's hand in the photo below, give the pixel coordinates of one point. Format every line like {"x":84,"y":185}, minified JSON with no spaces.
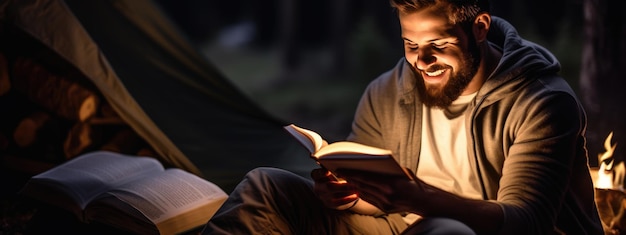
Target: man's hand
{"x":389,"y":193}
{"x":334,"y":193}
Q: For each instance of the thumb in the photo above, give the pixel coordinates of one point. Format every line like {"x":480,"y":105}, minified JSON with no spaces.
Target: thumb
{"x":320,"y":174}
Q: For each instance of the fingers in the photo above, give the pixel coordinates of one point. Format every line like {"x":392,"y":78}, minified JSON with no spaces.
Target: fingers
{"x":346,"y":203}
{"x":321,"y":175}
{"x":343,"y":202}
{"x":336,"y":199}
{"x":340,"y":187}
{"x":378,"y":189}
{"x":333,"y":192}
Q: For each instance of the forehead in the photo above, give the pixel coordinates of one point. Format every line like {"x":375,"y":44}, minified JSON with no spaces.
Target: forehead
{"x":427,"y":25}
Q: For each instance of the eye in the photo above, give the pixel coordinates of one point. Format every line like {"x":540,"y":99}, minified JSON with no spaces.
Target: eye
{"x":411,"y":46}
{"x":440,"y":46}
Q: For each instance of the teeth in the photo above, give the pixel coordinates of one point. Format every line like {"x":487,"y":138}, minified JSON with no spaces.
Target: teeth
{"x":435,"y":73}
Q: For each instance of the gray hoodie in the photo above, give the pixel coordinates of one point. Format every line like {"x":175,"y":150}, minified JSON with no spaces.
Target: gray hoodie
{"x":526,"y":136}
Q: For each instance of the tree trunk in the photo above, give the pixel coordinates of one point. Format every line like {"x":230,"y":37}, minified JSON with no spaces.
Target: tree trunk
{"x":602,"y":82}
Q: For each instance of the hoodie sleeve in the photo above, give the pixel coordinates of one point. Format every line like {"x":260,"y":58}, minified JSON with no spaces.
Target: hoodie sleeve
{"x":546,"y":151}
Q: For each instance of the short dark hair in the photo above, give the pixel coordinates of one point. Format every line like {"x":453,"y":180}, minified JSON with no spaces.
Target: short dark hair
{"x":460,"y":11}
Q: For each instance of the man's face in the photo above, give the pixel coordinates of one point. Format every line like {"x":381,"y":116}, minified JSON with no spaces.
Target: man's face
{"x":442,"y":56}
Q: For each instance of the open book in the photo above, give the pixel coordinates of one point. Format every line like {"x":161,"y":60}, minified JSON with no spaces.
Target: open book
{"x":131,"y":193}
{"x":348,"y":155}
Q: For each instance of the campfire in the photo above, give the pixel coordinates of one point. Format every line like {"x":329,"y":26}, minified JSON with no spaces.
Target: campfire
{"x":610,"y":176}
{"x":609,"y":184}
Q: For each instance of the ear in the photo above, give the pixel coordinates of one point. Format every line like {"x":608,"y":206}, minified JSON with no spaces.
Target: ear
{"x":481,"y":25}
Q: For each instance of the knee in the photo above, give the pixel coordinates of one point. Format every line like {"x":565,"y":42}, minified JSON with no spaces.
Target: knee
{"x":267,"y":173}
{"x":439,"y":226}
{"x":271,"y":182}
{"x":274,"y":177}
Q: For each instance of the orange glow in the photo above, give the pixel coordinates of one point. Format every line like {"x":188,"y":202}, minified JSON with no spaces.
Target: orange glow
{"x":610,"y":176}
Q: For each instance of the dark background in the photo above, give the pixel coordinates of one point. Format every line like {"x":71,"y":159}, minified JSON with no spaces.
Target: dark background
{"x":307,"y":62}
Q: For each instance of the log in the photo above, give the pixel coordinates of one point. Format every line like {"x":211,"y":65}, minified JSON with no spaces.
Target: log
{"x":611,"y":205}
{"x":27,"y":130}
{"x":147,"y":152}
{"x":78,"y":139}
{"x":124,"y":141}
{"x":106,"y":121}
{"x":107,"y":116}
{"x":39,"y":135}
{"x":107,"y":111}
{"x":5,"y":81}
{"x":56,"y":93}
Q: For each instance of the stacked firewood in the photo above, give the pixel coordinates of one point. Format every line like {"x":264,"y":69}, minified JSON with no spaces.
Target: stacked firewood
{"x":50,"y":115}
{"x":612,"y":209}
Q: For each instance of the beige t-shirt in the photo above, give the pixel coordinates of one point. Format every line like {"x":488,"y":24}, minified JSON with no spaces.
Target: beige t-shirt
{"x":444,"y":162}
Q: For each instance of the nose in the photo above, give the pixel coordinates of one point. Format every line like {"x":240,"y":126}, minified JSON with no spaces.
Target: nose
{"x":424,"y":58}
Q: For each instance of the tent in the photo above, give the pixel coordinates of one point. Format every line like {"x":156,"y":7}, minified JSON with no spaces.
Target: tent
{"x":167,"y":92}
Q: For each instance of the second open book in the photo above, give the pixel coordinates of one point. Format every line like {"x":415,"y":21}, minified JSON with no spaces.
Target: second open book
{"x":132,"y":193}
{"x":348,"y":155}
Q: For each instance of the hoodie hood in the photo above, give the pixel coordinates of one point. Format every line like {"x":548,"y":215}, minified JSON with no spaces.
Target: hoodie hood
{"x":521,"y":60}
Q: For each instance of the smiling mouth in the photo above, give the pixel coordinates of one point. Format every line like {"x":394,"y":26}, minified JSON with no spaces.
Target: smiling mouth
{"x":435,"y":73}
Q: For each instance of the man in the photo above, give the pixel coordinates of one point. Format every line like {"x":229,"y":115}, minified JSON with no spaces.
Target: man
{"x":493,"y":134}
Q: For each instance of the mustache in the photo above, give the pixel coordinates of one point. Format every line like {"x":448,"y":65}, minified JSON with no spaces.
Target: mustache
{"x":435,"y":67}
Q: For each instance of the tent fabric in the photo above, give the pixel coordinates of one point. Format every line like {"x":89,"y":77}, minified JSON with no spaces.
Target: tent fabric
{"x":167,"y":91}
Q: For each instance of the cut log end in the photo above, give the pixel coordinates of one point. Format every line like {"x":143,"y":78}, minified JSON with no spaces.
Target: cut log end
{"x":124,"y":141}
{"x":78,"y":139}
{"x":88,"y":108}
{"x":26,"y":131}
{"x":57,"y":93}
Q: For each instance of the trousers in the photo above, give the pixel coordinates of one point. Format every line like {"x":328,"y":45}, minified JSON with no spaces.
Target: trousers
{"x":275,"y":201}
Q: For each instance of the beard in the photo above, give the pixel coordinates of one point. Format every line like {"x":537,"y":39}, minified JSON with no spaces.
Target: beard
{"x":443,"y":96}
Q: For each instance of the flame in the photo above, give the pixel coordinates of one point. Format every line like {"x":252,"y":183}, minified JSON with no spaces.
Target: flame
{"x":610,"y":176}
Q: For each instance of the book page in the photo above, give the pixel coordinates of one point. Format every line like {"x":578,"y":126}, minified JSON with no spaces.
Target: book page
{"x":310,"y":139}
{"x":386,"y":165}
{"x":88,"y":175}
{"x":162,"y":196}
{"x":345,"y":147}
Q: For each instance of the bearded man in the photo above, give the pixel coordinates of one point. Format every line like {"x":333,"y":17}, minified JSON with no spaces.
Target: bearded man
{"x":495,"y":137}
